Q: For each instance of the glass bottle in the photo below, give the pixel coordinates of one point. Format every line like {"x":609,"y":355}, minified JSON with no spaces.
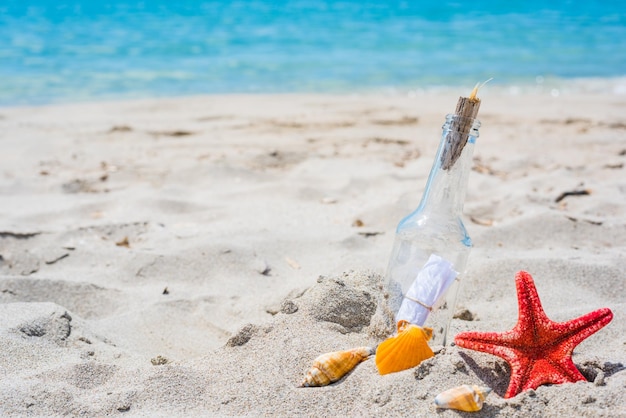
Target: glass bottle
{"x":432,"y":242}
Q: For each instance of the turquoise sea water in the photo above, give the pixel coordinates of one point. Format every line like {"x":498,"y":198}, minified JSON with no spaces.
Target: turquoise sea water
{"x":60,"y":50}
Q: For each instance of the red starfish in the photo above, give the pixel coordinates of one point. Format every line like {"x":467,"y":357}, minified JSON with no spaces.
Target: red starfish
{"x":538,"y":349}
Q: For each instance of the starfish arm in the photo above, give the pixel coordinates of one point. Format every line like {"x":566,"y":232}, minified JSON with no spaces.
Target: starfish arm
{"x":488,"y":342}
{"x":529,"y":304}
{"x":568,"y":371}
{"x":518,"y":381}
{"x":573,"y":332}
{"x":550,"y":371}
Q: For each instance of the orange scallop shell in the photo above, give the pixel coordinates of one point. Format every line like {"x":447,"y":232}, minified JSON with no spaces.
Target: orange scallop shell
{"x":330,"y":367}
{"x":407,"y":349}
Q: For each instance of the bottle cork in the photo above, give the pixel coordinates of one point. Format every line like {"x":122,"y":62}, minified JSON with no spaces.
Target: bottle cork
{"x":465,"y":113}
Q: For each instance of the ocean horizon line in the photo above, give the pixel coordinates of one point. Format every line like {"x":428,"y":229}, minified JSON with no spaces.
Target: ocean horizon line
{"x":539,"y":85}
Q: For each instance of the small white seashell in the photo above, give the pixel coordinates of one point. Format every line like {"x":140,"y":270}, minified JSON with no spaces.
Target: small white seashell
{"x":463,"y":398}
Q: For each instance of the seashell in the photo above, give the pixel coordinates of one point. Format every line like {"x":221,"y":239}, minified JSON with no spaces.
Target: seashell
{"x":330,"y":367}
{"x":463,"y":398}
{"x":407,"y":349}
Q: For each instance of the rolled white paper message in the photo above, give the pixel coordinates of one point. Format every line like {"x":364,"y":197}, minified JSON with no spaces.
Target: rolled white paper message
{"x":431,"y":283}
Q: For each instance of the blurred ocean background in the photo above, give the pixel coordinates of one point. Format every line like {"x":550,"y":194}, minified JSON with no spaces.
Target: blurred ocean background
{"x":60,"y":50}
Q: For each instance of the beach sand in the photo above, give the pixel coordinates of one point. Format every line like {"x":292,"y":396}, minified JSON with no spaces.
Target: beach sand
{"x":192,"y":256}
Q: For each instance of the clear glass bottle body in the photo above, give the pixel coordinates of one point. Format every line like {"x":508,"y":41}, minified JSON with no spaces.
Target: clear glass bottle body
{"x":436,"y":228}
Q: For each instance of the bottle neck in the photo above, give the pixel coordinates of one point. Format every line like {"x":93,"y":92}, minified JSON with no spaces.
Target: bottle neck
{"x":447,"y":183}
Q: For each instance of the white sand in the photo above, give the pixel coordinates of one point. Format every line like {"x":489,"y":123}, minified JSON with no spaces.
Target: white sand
{"x":237,"y":204}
